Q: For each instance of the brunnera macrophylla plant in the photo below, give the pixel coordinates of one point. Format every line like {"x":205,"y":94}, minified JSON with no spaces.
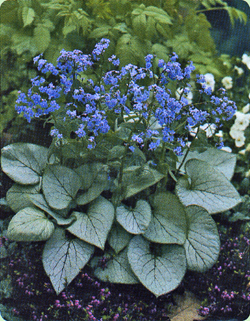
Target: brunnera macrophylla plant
{"x":120,"y":174}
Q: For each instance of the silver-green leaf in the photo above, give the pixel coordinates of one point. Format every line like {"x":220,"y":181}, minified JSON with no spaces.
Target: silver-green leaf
{"x":18,"y":196}
{"x":39,"y":201}
{"x":24,"y":163}
{"x":223,"y":161}
{"x":168,"y":224}
{"x":94,"y":226}
{"x":64,"y":257}
{"x":134,"y":220}
{"x":159,"y":269}
{"x":206,"y":187}
{"x":30,"y":224}
{"x":118,"y":237}
{"x":60,"y":185}
{"x":139,"y":178}
{"x":94,"y":180}
{"x":202,"y":245}
{"x":117,"y":270}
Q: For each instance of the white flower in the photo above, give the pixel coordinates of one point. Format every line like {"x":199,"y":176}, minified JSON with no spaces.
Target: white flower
{"x":239,"y":70}
{"x":227,"y":82}
{"x":246,"y":108}
{"x":209,"y":81}
{"x":234,"y":132}
{"x":238,"y":136}
{"x":208,"y":128}
{"x":188,"y":96}
{"x":227,"y":149}
{"x":246,"y":60}
{"x":242,"y":152}
{"x":242,"y":120}
{"x":219,"y":134}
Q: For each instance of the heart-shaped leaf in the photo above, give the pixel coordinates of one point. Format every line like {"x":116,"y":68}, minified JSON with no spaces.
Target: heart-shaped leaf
{"x":160,"y":268}
{"x":134,"y":220}
{"x":24,"y":163}
{"x":91,"y":194}
{"x":207,"y":188}
{"x":18,"y":196}
{"x":60,"y":186}
{"x":64,"y":257}
{"x":94,"y":226}
{"x":168,"y":224}
{"x":202,"y":245}
{"x":39,"y":201}
{"x":118,"y":238}
{"x":117,"y":270}
{"x":30,"y":224}
{"x":223,"y":161}
{"x":89,"y":173}
{"x":94,"y":178}
{"x":138,"y":178}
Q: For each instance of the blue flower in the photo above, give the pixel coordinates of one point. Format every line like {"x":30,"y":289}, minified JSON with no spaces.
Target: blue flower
{"x":94,"y":107}
{"x":100,"y":47}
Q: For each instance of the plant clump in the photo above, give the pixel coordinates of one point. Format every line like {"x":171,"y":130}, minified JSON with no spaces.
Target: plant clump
{"x":121,"y":175}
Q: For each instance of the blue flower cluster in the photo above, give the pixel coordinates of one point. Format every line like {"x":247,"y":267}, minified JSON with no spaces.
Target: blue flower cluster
{"x":157,"y":112}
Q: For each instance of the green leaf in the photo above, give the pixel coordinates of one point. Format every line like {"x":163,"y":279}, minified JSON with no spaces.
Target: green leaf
{"x":28,"y":15}
{"x":18,"y":196}
{"x":150,"y":28}
{"x":136,"y":181}
{"x":235,"y":14}
{"x":94,"y":178}
{"x":23,"y":42}
{"x":117,"y":270}
{"x":139,"y":25}
{"x":158,"y":14}
{"x":24,"y":163}
{"x":100,"y":32}
{"x":117,"y":152}
{"x":60,"y":185}
{"x":118,"y":238}
{"x":8,"y":11}
{"x":94,"y":226}
{"x":135,"y":220}
{"x":30,"y":224}
{"x":160,"y":268}
{"x":160,"y":51}
{"x":202,"y":245}
{"x":223,"y":161}
{"x":41,"y":38}
{"x":206,"y":187}
{"x":131,"y":49}
{"x":64,"y":257}
{"x":39,"y":201}
{"x":168,"y":224}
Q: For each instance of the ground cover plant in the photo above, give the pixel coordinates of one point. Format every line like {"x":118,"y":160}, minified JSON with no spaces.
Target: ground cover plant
{"x":123,"y":187}
{"x":85,"y":298}
{"x":225,"y":287}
